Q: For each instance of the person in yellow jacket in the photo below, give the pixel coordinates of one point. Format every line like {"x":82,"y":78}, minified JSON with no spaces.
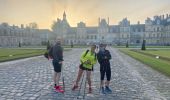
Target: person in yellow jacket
{"x":88,"y":59}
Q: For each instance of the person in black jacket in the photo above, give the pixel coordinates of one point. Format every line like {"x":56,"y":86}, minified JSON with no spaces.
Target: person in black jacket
{"x":103,"y":57}
{"x":57,"y":56}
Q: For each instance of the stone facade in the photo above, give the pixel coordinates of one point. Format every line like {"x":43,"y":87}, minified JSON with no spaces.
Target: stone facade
{"x":12,"y":36}
{"x":155,"y":31}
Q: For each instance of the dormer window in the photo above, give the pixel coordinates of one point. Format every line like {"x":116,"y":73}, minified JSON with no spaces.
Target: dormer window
{"x":158,"y":22}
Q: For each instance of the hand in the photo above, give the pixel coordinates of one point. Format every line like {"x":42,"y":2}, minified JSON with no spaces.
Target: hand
{"x":105,"y":57}
{"x":60,"y":62}
{"x":87,"y":62}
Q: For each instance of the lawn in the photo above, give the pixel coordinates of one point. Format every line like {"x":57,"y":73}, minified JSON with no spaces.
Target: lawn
{"x":76,"y":46}
{"x":162,"y":52}
{"x":7,"y":54}
{"x":140,"y":46}
{"x":157,"y":64}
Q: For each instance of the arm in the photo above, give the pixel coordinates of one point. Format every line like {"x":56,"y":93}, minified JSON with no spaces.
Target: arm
{"x":109,"y":55}
{"x":99,"y":57}
{"x":61,"y":55}
{"x":83,"y":59}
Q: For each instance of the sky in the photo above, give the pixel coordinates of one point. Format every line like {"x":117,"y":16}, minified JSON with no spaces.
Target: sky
{"x":45,"y":12}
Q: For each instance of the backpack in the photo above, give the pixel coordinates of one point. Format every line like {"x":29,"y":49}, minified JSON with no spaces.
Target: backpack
{"x":46,"y":55}
{"x":50,"y":52}
{"x":87,"y":52}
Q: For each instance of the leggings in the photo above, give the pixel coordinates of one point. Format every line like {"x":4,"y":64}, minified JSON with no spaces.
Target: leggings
{"x":105,"y":70}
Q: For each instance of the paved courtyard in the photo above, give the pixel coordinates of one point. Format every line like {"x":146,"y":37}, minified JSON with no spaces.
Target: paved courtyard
{"x":31,"y":79}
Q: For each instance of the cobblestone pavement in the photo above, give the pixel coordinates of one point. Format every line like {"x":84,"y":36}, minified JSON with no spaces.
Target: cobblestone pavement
{"x":31,"y":79}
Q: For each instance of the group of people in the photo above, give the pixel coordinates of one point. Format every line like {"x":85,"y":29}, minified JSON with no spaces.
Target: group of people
{"x":87,"y":61}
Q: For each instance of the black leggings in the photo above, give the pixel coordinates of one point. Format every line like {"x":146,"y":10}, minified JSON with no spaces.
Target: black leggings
{"x":105,"y":70}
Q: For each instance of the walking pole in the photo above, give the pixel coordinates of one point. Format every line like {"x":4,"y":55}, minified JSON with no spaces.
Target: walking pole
{"x":63,"y":78}
{"x":100,"y":87}
{"x":80,"y":86}
{"x":85,"y":87}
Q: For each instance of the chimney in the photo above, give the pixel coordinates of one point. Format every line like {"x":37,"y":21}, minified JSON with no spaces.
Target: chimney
{"x":22,"y":26}
{"x":138,"y":22}
{"x":13,"y":26}
{"x":99,"y":21}
{"x":166,"y":15}
{"x":108,"y":20}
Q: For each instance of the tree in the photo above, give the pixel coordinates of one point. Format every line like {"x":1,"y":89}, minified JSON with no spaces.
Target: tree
{"x":143,"y":45}
{"x":19,"y":44}
{"x":56,"y":26}
{"x":71,"y":44}
{"x":127,"y":44}
{"x":48,"y":45}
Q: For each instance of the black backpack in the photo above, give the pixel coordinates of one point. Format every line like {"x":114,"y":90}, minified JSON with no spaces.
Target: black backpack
{"x":87,"y":52}
{"x":46,"y":55}
{"x":50,"y":52}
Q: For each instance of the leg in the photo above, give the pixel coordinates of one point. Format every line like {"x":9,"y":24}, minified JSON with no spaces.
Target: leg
{"x":89,"y":78}
{"x":57,"y":72}
{"x":58,"y":78}
{"x":102,"y":74}
{"x":80,"y":72}
{"x":108,"y":75}
{"x":55,"y":78}
{"x":88,"y":73}
{"x":79,"y":76}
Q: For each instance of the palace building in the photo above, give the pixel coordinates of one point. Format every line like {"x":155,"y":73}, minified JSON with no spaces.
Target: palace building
{"x":155,"y":31}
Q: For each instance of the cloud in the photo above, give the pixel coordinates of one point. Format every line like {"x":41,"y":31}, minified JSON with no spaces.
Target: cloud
{"x":45,"y":11}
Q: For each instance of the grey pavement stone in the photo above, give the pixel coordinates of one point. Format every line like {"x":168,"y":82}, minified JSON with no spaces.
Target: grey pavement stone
{"x":31,"y":79}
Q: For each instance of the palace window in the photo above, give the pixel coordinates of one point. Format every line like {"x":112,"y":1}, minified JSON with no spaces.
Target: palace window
{"x":139,"y":30}
{"x":95,"y":37}
{"x":92,"y":37}
{"x":87,"y":37}
{"x":5,"y":32}
{"x":149,"y":35}
{"x":102,"y":37}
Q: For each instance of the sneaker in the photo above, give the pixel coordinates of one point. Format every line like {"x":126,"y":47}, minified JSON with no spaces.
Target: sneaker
{"x":108,"y":90}
{"x":90,"y":90}
{"x":59,"y":90}
{"x":57,"y":87}
{"x":103,"y":90}
{"x":74,"y":87}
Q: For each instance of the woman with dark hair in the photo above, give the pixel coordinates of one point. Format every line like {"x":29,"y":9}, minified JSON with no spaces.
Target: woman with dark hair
{"x":103,"y":57}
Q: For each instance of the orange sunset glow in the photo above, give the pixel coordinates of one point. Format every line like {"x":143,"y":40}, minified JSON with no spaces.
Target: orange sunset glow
{"x":44,"y":12}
